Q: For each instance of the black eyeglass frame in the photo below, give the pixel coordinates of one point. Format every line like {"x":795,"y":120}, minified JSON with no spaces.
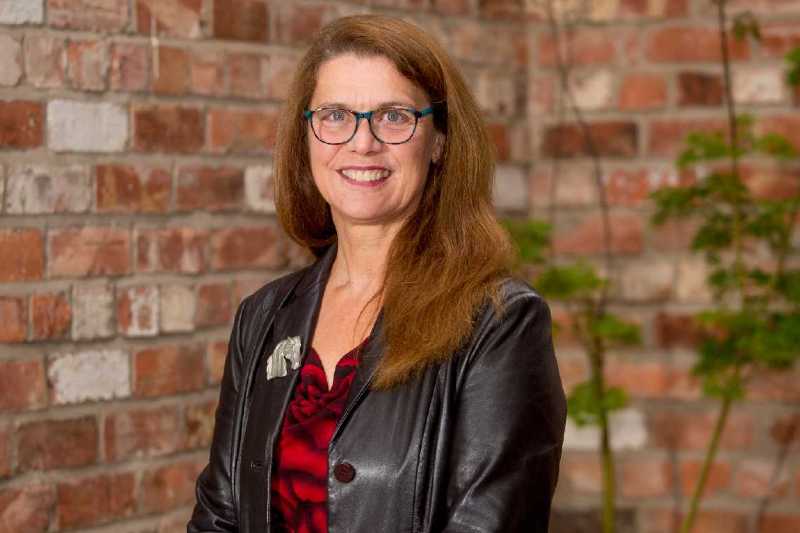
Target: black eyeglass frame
{"x":418,"y":114}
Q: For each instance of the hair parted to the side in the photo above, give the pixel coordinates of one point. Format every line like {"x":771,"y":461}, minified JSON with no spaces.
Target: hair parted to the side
{"x":451,"y":255}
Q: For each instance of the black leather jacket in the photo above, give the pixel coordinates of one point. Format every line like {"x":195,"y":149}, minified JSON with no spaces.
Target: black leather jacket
{"x":471,"y":445}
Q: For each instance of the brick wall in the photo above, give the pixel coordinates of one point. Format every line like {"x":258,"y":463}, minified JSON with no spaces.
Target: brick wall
{"x":135,"y":213}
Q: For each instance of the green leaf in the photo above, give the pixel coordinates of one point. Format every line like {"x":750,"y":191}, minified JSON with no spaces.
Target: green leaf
{"x":583,"y":406}
{"x":579,"y":280}
{"x":703,"y":147}
{"x":775,"y":145}
{"x":616,"y":331}
{"x":715,"y":233}
{"x":793,"y":70}
{"x":745,"y":24}
{"x":531,"y":238}
{"x":675,"y":202}
{"x":788,"y":285}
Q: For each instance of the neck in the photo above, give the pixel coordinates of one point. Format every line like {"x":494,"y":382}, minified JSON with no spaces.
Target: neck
{"x":360,"y":264}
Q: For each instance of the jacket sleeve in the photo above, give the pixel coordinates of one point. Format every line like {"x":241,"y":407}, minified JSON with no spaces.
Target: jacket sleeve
{"x":215,"y":509}
{"x":509,"y":426}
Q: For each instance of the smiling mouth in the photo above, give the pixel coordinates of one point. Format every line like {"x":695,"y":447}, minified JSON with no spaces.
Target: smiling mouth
{"x":365,"y":175}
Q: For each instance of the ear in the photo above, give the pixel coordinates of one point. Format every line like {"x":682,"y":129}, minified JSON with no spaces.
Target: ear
{"x":438,"y":147}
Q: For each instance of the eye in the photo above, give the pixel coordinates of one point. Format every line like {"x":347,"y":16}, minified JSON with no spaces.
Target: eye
{"x":395,"y":116}
{"x":333,"y":115}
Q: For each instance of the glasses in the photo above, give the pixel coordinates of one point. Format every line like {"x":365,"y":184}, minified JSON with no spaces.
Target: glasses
{"x":389,"y":125}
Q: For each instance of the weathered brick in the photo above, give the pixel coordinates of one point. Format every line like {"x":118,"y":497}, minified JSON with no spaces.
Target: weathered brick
{"x":690,"y":44}
{"x":128,"y":188}
{"x":5,"y":452}
{"x":278,"y":74}
{"x":258,"y":189}
{"x":246,"y":20}
{"x":181,"y":18}
{"x":142,"y":433}
{"x":95,"y":500}
{"x":216,"y":353}
{"x":10,"y":61}
{"x":646,"y":280}
{"x":86,"y":126}
{"x":641,"y":91}
{"x":22,"y":251}
{"x":214,"y":307}
{"x":785,"y":430}
{"x":22,"y":384}
{"x":246,"y":74}
{"x":171,"y":250}
{"x":199,"y":420}
{"x":168,"y":487}
{"x":208,"y":73}
{"x":22,"y":12}
{"x":173,"y":74}
{"x":719,"y":477}
{"x":641,"y":379}
{"x":211,"y":188}
{"x":509,"y":191}
{"x":45,"y":61}
{"x":583,"y":473}
{"x":690,"y":430}
{"x":88,"y":251}
{"x":676,"y":330}
{"x":167,"y":370}
{"x":92,"y":15}
{"x":691,"y":281}
{"x":774,"y":385}
{"x":21,"y":124}
{"x":168,"y":129}
{"x":706,"y":521}
{"x":51,"y":316}
{"x":500,"y":138}
{"x":241,"y":248}
{"x":241,"y":130}
{"x":13,"y":318}
{"x":178,"y":303}
{"x":75,"y":446}
{"x":42,"y":189}
{"x":587,"y":236}
{"x":779,"y":37}
{"x":472,"y":40}
{"x":759,"y":85}
{"x":587,"y":47}
{"x":779,"y":523}
{"x":137,"y":311}
{"x":593,"y":90}
{"x":26,"y":508}
{"x":611,"y":139}
{"x":699,"y":89}
{"x":667,"y":136}
{"x":130,"y":67}
{"x":646,"y":477}
{"x":87,"y":65}
{"x":93,"y":311}
{"x":757,"y":478}
{"x":787,"y":125}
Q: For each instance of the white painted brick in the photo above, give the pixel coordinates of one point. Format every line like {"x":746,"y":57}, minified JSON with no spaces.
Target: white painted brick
{"x":178,"y":303}
{"x":647,"y":280}
{"x":142,"y":310}
{"x":495,"y":93}
{"x":690,"y":284}
{"x":258,"y":189}
{"x":93,"y":311}
{"x":37,"y":189}
{"x":593,"y":90}
{"x":628,"y":432}
{"x":90,"y":375}
{"x":86,"y":126}
{"x":21,"y":11}
{"x":510,"y":189}
{"x":10,"y":60}
{"x":759,"y":85}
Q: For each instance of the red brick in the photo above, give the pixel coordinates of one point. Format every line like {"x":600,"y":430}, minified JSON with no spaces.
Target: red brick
{"x":171,"y":250}
{"x":642,"y":91}
{"x":299,"y":23}
{"x":628,"y":187}
{"x":97,"y":500}
{"x":639,"y":8}
{"x":645,"y":478}
{"x":129,"y":189}
{"x":142,"y":433}
{"x":281,"y":69}
{"x":214,"y":307}
{"x":211,"y":188}
{"x":246,"y":75}
{"x":45,"y":61}
{"x":199,"y":420}
{"x":706,"y":521}
{"x":687,"y":43}
{"x":676,"y":330}
{"x":583,"y":473}
{"x":173,"y":74}
{"x":775,"y":385}
{"x":779,"y":38}
{"x":87,"y":65}
{"x":168,"y":129}
{"x":51,"y":316}
{"x":667,"y":137}
{"x":506,"y":9}
{"x":5,"y":450}
{"x":785,"y":125}
{"x":499,"y":135}
{"x":166,"y":370}
{"x":76,"y":444}
{"x":243,"y":248}
{"x":643,"y":379}
{"x":242,"y":130}
{"x":775,"y":181}
{"x":21,"y":124}
{"x":22,"y":251}
{"x":85,"y":251}
{"x":754,"y":480}
{"x":692,"y":430}
{"x":22,"y":385}
{"x":137,"y":311}
{"x":216,"y":352}
{"x":587,"y":47}
{"x":130,"y":67}
{"x":26,"y":509}
{"x":168,"y":487}
{"x":181,"y":18}
{"x":452,"y":7}
{"x":587,"y":236}
{"x":611,"y":139}
{"x":719,"y":477}
{"x":93,"y":15}
{"x":779,"y":523}
{"x":245,"y":20}
{"x":13,"y":318}
{"x":699,"y":89}
{"x":786,"y":430}
{"x":207,"y":72}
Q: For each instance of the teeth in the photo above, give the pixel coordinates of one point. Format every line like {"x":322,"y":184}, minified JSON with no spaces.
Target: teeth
{"x":365,"y":175}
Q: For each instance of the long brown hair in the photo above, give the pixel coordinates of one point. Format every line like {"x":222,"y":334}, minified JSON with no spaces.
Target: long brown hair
{"x":449,"y":257}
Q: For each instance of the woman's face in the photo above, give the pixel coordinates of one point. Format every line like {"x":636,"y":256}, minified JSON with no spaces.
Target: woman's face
{"x":346,"y":174}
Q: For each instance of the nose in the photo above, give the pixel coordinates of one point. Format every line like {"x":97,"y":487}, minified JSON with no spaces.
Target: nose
{"x":364,"y":142}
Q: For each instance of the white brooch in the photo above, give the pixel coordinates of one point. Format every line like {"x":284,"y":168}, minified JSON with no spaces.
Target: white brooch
{"x":286,"y":350}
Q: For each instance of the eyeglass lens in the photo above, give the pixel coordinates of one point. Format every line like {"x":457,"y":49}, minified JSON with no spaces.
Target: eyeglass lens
{"x":389,"y":125}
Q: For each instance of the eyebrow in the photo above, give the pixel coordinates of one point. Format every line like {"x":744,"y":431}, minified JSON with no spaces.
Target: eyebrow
{"x":393,"y":103}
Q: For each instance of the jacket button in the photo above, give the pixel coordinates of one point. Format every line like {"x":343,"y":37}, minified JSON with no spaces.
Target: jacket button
{"x":344,"y":472}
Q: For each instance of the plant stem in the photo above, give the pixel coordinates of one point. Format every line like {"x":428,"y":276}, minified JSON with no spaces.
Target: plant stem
{"x":711,"y":453}
{"x":609,"y":477}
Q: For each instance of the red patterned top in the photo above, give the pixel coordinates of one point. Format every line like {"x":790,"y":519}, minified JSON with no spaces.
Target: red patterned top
{"x":300,"y":474}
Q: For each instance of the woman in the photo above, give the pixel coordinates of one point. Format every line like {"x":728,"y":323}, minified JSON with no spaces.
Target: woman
{"x":403,"y":382}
